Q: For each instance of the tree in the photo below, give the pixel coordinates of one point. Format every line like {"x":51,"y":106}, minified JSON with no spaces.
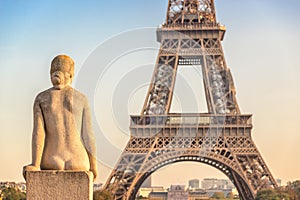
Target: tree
{"x":230,"y":195}
{"x":293,"y":188}
{"x":218,"y":195}
{"x":102,"y":195}
{"x":272,"y":194}
{"x":141,"y":197}
{"x":11,"y":193}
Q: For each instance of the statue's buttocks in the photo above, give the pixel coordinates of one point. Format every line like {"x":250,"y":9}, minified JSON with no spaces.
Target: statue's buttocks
{"x":62,"y":135}
{"x":63,"y":146}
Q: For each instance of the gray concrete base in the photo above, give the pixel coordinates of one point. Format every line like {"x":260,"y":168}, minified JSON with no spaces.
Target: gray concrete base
{"x":57,"y":185}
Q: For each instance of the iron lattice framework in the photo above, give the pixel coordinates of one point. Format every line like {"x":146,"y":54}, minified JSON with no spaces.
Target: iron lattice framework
{"x":220,"y":138}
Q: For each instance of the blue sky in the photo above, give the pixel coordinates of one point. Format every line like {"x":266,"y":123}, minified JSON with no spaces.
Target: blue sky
{"x":261,"y":48}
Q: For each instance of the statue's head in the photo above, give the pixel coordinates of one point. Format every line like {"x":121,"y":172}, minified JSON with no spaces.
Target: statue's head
{"x":62,"y":71}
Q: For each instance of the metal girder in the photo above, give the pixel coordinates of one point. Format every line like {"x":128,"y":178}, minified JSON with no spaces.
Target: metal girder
{"x":179,"y":49}
{"x":220,"y":138}
{"x":228,"y":150}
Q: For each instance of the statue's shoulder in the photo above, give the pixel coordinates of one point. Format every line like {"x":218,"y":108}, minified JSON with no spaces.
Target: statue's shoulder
{"x":44,"y":95}
{"x":80,"y":95}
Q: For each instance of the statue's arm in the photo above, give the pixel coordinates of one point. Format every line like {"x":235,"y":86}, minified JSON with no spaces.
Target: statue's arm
{"x":38,"y":139}
{"x":88,"y":138}
{"x":38,"y":135}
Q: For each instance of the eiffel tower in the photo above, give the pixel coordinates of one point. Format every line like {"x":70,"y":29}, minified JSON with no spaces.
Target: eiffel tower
{"x":220,"y":138}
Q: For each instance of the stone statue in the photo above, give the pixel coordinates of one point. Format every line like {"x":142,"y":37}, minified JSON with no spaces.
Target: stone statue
{"x":62,"y":137}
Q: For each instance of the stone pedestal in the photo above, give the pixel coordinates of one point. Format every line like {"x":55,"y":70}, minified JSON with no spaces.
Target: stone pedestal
{"x":57,"y":185}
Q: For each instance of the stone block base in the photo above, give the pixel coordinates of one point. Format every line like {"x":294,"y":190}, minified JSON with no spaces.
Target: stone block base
{"x":57,"y":185}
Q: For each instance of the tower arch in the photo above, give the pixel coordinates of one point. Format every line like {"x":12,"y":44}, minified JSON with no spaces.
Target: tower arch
{"x":221,"y":167}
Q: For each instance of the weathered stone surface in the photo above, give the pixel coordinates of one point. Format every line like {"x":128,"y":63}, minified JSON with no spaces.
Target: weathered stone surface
{"x":58,"y":185}
{"x":62,"y":137}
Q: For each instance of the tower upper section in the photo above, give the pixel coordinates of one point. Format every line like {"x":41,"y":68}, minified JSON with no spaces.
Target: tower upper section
{"x":191,"y":12}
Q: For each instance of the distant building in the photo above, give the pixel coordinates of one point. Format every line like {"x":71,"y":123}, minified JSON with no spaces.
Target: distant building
{"x":97,"y":186}
{"x":278,"y":181}
{"x":178,"y":192}
{"x":197,"y":194}
{"x":21,"y":187}
{"x":147,"y":183}
{"x":158,"y":196}
{"x":194,"y":183}
{"x":235,"y":192}
{"x":144,"y":192}
{"x":212,"y":191}
{"x":213,"y":183}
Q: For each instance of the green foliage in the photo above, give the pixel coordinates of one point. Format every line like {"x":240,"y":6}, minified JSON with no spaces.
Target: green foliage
{"x":230,"y":195}
{"x":141,"y":197}
{"x":12,"y":194}
{"x":290,"y":192}
{"x":293,"y":188}
{"x":102,"y":195}
{"x":221,"y":196}
{"x":218,"y":195}
{"x":272,"y":194}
